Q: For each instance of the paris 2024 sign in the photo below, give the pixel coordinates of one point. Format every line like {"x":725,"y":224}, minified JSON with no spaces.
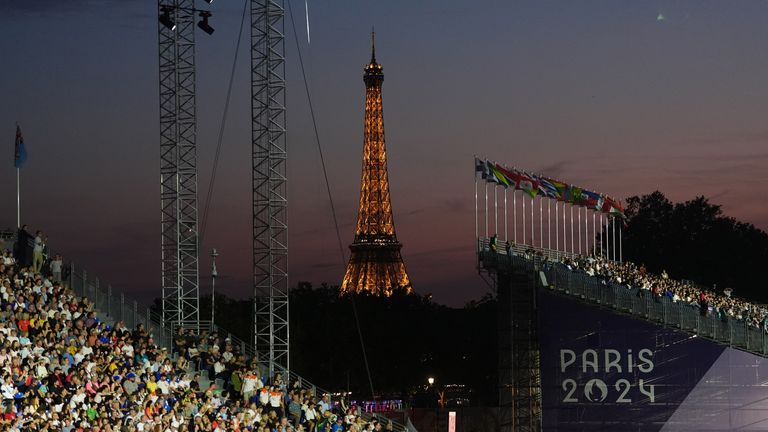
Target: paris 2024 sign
{"x":604,"y":371}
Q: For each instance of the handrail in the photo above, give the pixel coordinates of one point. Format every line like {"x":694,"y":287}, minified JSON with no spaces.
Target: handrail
{"x":119,"y":306}
{"x":637,"y":302}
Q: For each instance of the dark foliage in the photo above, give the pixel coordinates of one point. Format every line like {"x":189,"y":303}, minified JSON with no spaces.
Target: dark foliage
{"x":407,"y":339}
{"x":694,"y":240}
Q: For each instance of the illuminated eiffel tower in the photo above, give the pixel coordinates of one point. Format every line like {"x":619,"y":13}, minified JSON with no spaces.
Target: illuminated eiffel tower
{"x":375,"y":265}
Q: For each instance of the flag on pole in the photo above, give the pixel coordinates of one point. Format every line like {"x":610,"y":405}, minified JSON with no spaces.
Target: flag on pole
{"x":512,"y":176}
{"x":20,"y":152}
{"x":488,"y":174}
{"x":561,"y":188}
{"x":528,"y":184}
{"x":613,"y":207}
{"x":548,"y":188}
{"x":480,"y":167}
{"x":592,"y":200}
{"x":573,"y":195}
{"x":499,"y":175}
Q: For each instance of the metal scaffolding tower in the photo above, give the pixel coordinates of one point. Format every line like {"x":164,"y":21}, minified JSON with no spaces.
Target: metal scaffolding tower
{"x":270,"y":203}
{"x":178,"y":163}
{"x":519,"y":356}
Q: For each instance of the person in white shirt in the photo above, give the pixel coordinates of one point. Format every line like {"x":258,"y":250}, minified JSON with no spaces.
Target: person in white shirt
{"x":8,"y":390}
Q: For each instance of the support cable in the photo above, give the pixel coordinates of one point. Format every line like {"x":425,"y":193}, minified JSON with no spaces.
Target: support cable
{"x":330,"y":195}
{"x":209,"y":194}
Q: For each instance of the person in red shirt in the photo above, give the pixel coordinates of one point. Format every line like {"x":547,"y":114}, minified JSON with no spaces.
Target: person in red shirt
{"x":23,"y":324}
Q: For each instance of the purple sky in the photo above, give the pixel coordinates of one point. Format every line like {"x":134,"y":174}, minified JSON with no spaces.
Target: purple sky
{"x":607,"y":95}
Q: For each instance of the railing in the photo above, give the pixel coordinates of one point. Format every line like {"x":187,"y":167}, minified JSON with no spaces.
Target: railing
{"x":118,"y":306}
{"x":483,"y":244}
{"x":637,"y":302}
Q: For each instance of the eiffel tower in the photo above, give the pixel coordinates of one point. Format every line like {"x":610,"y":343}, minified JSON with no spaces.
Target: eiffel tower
{"x":375,"y":265}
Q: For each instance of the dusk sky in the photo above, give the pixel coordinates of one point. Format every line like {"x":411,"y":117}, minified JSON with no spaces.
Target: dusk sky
{"x":623,"y":97}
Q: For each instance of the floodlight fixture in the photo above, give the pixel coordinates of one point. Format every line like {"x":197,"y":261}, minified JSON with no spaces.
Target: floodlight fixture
{"x":203,"y":24}
{"x":165,"y":19}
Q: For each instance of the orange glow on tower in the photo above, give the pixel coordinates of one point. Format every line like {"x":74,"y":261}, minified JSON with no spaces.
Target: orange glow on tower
{"x":376,"y":265}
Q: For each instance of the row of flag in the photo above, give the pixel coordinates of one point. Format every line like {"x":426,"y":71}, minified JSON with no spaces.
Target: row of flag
{"x":535,"y":185}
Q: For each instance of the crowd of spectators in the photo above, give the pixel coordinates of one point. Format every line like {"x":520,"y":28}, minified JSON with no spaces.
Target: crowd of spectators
{"x":709,"y":301}
{"x":722,"y":304}
{"x":63,"y":368}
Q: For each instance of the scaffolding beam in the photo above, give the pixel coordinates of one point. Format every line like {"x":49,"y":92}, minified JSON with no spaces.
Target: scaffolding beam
{"x":178,"y":165}
{"x":269,"y":182}
{"x":519,"y":356}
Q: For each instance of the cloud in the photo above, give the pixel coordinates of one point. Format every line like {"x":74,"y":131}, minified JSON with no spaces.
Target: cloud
{"x":555,"y":169}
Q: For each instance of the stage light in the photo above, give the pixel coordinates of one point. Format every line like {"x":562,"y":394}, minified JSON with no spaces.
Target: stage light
{"x":431,"y":380}
{"x":165,"y":19}
{"x":203,"y":24}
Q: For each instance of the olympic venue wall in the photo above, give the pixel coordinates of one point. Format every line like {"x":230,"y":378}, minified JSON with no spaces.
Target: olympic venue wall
{"x":603,"y":371}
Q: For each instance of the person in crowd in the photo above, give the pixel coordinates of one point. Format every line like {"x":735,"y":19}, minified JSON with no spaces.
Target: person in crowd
{"x":56,"y":266}
{"x":63,"y":367}
{"x":37,"y":252}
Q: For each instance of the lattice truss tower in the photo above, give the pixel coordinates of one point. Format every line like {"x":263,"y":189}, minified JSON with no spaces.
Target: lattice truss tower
{"x":178,"y":166}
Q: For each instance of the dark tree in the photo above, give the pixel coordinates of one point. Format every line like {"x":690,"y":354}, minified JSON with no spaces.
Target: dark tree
{"x":694,"y":240}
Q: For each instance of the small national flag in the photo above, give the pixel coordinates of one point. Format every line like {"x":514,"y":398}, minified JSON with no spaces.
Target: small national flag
{"x":612,"y":207}
{"x":499,"y":175}
{"x":512,"y":176}
{"x":548,"y":188}
{"x":528,"y":184}
{"x":573,"y":195}
{"x":479,"y":166}
{"x":592,"y":200}
{"x":488,"y":175}
{"x":561,"y":188}
{"x":20,"y":153}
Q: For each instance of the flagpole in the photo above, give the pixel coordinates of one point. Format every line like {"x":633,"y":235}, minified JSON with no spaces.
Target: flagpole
{"x":495,"y":211}
{"x":533,"y":233}
{"x":602,"y":231}
{"x":573,"y":249}
{"x":578,"y":214}
{"x":549,"y":224}
{"x":586,"y":231}
{"x":506,"y":238}
{"x":565,"y":237}
{"x":557,"y":230}
{"x":522,"y":198}
{"x":541,"y":221}
{"x":477,"y":231}
{"x":613,"y":230}
{"x":594,"y":231}
{"x":621,"y":229}
{"x":486,"y":210}
{"x":607,"y":239}
{"x":18,"y":198}
{"x":514,"y":213}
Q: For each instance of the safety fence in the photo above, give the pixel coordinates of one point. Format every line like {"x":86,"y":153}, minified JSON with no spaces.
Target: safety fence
{"x":662,"y":310}
{"x":118,"y":306}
